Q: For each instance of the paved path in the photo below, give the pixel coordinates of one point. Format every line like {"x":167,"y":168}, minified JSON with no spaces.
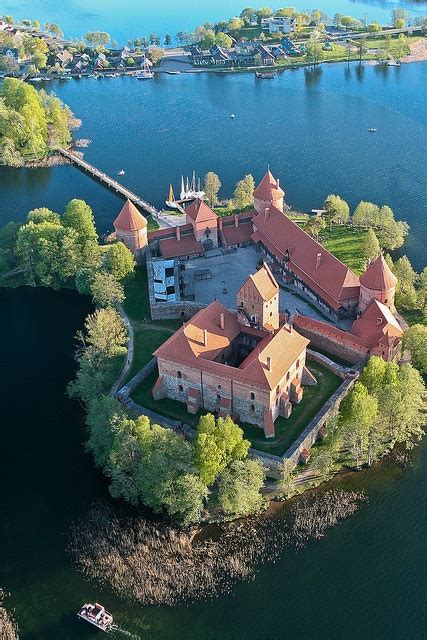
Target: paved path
{"x":130,"y":351}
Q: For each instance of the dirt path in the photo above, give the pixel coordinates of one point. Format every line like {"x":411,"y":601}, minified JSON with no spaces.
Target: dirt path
{"x":418,"y":52}
{"x":130,"y":349}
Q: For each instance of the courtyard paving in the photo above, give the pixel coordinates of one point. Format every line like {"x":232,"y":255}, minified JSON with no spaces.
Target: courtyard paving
{"x":229,"y":272}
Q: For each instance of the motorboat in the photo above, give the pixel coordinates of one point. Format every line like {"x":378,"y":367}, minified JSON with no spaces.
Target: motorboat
{"x":97,"y":615}
{"x":372,"y":130}
{"x":232,"y":115}
{"x":121,"y":172}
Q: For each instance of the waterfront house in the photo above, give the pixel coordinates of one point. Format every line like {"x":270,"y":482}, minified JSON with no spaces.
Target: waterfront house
{"x":278,"y":24}
{"x":64,"y":57}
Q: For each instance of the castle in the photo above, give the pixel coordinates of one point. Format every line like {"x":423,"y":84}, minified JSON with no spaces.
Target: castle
{"x":249,"y":361}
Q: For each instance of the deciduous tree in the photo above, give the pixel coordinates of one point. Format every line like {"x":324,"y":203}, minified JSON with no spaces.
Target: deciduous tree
{"x":120,"y":261}
{"x":212,"y":185}
{"x":239,"y":488}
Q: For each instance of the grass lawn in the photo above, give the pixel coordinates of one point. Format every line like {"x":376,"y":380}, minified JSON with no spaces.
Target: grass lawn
{"x":168,"y":408}
{"x":288,"y":430}
{"x":137,"y":303}
{"x":346,"y":243}
{"x":414,"y":316}
{"x":146,"y":341}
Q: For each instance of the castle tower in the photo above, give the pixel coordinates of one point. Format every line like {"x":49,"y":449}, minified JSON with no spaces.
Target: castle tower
{"x":377,"y":283}
{"x":258,"y":300}
{"x":131,"y":228}
{"x":205,"y":223}
{"x":268,"y":193}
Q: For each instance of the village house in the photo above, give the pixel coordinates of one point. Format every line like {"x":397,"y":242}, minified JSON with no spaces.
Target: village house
{"x":278,"y":24}
{"x":246,"y":363}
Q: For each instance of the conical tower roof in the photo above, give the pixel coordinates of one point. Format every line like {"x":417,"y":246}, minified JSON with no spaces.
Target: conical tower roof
{"x":378,"y":276}
{"x":269,"y":188}
{"x":129,"y":218}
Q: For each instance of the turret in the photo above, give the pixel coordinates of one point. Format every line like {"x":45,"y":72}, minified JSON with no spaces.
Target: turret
{"x":268,"y":193}
{"x":258,"y":300}
{"x":377,"y":283}
{"x":131,"y":228}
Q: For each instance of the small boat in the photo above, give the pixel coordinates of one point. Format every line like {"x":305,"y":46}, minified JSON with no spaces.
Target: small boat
{"x":97,"y":615}
{"x":173,"y":73}
{"x":144,"y":75}
{"x":393,"y":63}
{"x":232,"y":115}
{"x":170,"y":202}
{"x":36,"y":79}
{"x":372,"y":130}
{"x":265,"y":75}
{"x":121,"y":172}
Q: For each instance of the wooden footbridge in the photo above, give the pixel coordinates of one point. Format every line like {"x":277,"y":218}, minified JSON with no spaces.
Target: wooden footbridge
{"x":113,"y":184}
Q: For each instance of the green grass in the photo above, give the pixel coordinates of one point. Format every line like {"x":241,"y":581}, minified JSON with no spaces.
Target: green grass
{"x":137,"y":303}
{"x":152,"y":224}
{"x":414,"y":316}
{"x":287,"y":430}
{"x":346,"y":243}
{"x":222,"y":212}
{"x":168,"y":408}
{"x":146,"y":341}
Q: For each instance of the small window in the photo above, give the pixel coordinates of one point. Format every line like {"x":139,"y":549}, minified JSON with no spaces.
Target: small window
{"x":179,"y":374}
{"x":287,"y":376}
{"x":219,"y":386}
{"x":252,"y":396}
{"x":241,"y":304}
{"x":180,"y":388}
{"x":277,"y":389}
{"x":297,"y":364}
{"x":218,"y":397}
{"x":252,"y":407}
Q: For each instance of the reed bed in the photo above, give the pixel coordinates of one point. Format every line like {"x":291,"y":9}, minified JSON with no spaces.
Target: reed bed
{"x":156,"y":564}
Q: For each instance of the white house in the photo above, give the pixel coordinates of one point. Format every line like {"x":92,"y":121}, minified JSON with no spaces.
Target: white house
{"x":278,"y":24}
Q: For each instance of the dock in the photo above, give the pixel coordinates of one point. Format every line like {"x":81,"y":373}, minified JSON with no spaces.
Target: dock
{"x":116,"y":186}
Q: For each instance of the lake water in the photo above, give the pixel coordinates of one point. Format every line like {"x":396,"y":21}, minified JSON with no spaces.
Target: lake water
{"x":311,"y":126}
{"x":365,"y":580}
{"x":129,"y":19}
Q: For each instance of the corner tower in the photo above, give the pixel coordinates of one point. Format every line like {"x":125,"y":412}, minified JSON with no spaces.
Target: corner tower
{"x":377,"y":283}
{"x":258,"y":301}
{"x":131,"y":228}
{"x":268,"y":193}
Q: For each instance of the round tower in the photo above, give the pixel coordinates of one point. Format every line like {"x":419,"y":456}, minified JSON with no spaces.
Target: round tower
{"x":268,"y":193}
{"x":377,"y":283}
{"x":131,"y":228}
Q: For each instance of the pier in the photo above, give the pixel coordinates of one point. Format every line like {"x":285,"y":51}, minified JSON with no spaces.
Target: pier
{"x":116,"y":186}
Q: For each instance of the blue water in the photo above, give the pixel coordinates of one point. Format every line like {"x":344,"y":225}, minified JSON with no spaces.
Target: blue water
{"x":311,"y":126}
{"x":128,"y":19}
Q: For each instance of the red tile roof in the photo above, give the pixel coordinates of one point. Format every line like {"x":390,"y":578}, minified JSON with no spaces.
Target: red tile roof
{"x":235,"y":235}
{"x":264,"y":282}
{"x":201,"y":340}
{"x":186,"y":246}
{"x":378,"y":276}
{"x":198,"y":211}
{"x":129,"y":218}
{"x":269,"y":188}
{"x":376,"y":323}
{"x":319,"y":269}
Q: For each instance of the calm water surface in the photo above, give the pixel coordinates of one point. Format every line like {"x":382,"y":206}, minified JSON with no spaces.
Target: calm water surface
{"x":366,"y":580}
{"x":131,"y":18}
{"x":310,"y":125}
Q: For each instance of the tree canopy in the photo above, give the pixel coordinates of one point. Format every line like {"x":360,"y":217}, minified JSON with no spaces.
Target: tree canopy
{"x":244,"y":192}
{"x":239,"y":488}
{"x":120,"y":261}
{"x":212,"y":185}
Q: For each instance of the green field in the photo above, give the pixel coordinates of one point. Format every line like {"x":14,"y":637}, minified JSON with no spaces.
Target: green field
{"x":288,"y":430}
{"x":137,"y":303}
{"x":146,"y":341}
{"x":346,"y":243}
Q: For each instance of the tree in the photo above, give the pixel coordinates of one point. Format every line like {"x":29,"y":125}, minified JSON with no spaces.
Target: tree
{"x":399,"y":17}
{"x":120,"y":261}
{"x":98,"y":38}
{"x":208,"y":40}
{"x":239,"y":488}
{"x":264,"y":12}
{"x":217,"y":444}
{"x":36,"y":24}
{"x":168,"y":40}
{"x":248,"y":15}
{"x":79,"y":216}
{"x":212,"y":185}
{"x":244,"y":192}
{"x":155,"y":54}
{"x":405,"y":290}
{"x":392,"y":234}
{"x":401,"y":47}
{"x":366,"y":214}
{"x":235,"y":24}
{"x":371,"y":247}
{"x":286,"y":481}
{"x":153,"y":38}
{"x":336,"y":209}
{"x":374,"y":27}
{"x":314,"y":225}
{"x":43,"y":215}
{"x":223,"y":40}
{"x":130,"y":62}
{"x":422,"y":290}
{"x":358,"y":412}
{"x":415,"y":339}
{"x":313,"y":49}
{"x":39,"y":60}
{"x":106,"y":331}
{"x":106,"y":290}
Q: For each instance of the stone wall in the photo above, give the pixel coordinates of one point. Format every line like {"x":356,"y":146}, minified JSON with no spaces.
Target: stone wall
{"x":328,"y":338}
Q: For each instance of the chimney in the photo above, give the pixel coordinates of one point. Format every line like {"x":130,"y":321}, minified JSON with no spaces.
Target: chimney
{"x":318,"y":260}
{"x":236,"y":221}
{"x":269,"y":363}
{"x":266,"y":212}
{"x":220,"y":224}
{"x":178,"y":233}
{"x":205,"y":337}
{"x":221,"y":321}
